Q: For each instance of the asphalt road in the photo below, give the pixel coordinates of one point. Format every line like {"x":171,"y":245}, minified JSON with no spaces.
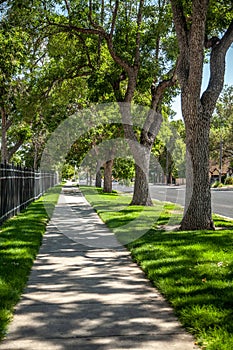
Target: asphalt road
{"x":222,"y":200}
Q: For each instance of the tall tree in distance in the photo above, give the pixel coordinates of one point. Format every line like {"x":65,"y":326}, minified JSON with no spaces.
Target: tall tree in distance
{"x":196,"y":23}
{"x":221,"y":137}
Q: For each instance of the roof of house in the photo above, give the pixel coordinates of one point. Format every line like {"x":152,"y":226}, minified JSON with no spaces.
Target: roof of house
{"x":215,"y":168}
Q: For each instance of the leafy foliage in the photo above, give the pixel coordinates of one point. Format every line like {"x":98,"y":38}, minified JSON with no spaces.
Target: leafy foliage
{"x":222,"y":126}
{"x":123,"y":169}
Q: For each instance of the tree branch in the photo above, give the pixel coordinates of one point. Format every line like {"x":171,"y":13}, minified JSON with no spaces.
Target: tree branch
{"x":72,"y":74}
{"x":196,"y":44}
{"x":117,"y":58}
{"x":95,"y":25}
{"x":217,"y":69}
{"x":157,"y":92}
{"x":227,"y":39}
{"x":97,"y":30}
{"x":180,"y":25}
{"x":67,"y":7}
{"x":68,"y":27}
{"x":116,"y":87}
{"x":138,"y":35}
{"x":154,"y":117}
{"x":15,"y":148}
{"x":87,"y":51}
{"x":182,"y":31}
{"x":114,"y":18}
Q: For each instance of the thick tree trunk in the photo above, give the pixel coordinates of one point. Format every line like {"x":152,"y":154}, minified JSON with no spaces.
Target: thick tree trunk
{"x":108,"y":176}
{"x":141,"y":152}
{"x":197,"y":108}
{"x":141,"y":194}
{"x":98,"y":179}
{"x":169,"y":178}
{"x":198,"y":214}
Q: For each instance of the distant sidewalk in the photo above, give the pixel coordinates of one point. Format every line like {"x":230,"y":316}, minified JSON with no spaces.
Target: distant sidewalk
{"x":81,"y":295}
{"x":225,"y":188}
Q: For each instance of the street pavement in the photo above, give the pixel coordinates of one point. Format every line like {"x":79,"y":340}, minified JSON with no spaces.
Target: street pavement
{"x":85,"y":292}
{"x":222,"y":199}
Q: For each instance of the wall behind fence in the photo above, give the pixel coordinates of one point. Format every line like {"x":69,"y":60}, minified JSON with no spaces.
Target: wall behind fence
{"x":21,"y":186}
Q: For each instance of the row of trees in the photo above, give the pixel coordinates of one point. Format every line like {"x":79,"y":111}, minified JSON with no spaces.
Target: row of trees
{"x":221,"y":136}
{"x":58,"y":56}
{"x":103,"y":148}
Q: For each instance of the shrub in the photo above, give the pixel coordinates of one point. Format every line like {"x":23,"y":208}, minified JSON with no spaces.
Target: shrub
{"x":229,"y":181}
{"x":217,"y":184}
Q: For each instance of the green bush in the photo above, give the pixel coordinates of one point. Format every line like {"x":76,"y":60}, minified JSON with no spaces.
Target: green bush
{"x":217,"y":184}
{"x":229,"y":181}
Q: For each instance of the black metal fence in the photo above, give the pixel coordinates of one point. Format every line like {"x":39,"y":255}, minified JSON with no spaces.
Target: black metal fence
{"x":21,"y":186}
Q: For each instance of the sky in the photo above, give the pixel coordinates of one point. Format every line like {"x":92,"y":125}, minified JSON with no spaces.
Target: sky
{"x":176,"y":106}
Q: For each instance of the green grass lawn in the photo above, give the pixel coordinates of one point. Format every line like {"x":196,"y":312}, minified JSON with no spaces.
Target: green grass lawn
{"x":20,"y":239}
{"x":193,"y":270}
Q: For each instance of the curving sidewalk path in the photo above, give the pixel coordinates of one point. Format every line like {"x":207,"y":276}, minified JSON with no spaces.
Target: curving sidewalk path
{"x":85,"y":292}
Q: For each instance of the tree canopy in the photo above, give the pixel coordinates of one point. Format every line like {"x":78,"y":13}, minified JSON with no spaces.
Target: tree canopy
{"x":58,"y":57}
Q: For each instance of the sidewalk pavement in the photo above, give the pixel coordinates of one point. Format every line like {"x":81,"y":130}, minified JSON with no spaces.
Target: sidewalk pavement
{"x":85,"y":292}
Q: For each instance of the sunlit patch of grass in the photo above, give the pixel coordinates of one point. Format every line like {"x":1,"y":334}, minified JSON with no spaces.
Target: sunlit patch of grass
{"x":20,"y":239}
{"x":193,"y":270}
{"x":126,"y":221}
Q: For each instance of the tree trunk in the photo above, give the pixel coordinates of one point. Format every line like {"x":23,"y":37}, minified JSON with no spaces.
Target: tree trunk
{"x":169,"y":178}
{"x":4,"y":151}
{"x":35,"y":159}
{"x":90,"y":179}
{"x":108,"y":176}
{"x":98,"y":177}
{"x":198,"y":108}
{"x":141,"y":188}
{"x":198,"y":213}
{"x":141,"y":194}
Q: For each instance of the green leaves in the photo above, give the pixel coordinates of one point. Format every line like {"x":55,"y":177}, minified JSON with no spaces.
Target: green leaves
{"x":12,"y":53}
{"x":222,"y":126}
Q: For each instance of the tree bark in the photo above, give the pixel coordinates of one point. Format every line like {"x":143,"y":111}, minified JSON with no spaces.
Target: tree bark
{"x":198,"y":213}
{"x":14,"y":149}
{"x":196,"y":110}
{"x":98,"y":178}
{"x":108,"y":176}
{"x":141,"y":192}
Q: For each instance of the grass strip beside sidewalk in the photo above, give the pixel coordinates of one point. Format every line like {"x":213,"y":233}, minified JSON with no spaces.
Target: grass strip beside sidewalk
{"x":20,"y":239}
{"x":193,"y":270}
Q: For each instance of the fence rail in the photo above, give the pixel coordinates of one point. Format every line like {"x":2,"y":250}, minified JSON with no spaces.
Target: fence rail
{"x":21,"y":186}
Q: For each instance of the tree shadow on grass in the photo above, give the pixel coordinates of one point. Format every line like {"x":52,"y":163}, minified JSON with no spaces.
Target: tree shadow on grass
{"x":194,"y":271}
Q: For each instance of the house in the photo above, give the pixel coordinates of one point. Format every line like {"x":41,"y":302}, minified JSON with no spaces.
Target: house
{"x":216,"y":172}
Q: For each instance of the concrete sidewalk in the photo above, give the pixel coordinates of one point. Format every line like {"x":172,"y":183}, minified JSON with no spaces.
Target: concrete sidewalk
{"x":88,"y":297}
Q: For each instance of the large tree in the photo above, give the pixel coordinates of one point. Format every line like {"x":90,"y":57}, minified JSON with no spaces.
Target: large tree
{"x":134,"y":34}
{"x":197,"y":24}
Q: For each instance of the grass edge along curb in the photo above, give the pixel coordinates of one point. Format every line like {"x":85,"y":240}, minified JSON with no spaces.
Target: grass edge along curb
{"x":193,"y":270}
{"x":20,"y":240}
